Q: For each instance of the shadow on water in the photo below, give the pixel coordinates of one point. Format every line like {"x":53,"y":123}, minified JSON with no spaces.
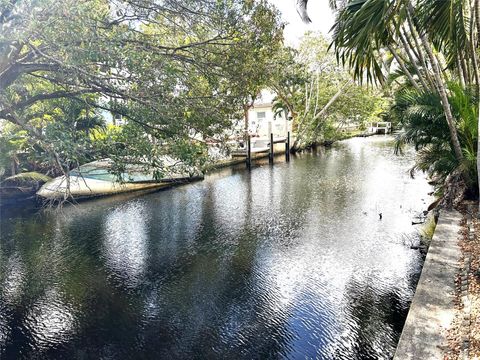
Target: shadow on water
{"x":286,"y":261}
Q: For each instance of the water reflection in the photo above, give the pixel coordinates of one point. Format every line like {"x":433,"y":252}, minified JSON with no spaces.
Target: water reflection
{"x":50,"y":321}
{"x":12,"y":279}
{"x":287,"y":261}
{"x":125,"y":242}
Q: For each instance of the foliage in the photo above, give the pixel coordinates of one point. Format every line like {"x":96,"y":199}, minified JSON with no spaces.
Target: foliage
{"x":28,"y":177}
{"x":311,"y":79}
{"x":13,"y":142}
{"x":424,"y":125}
{"x":177,"y":71}
{"x":65,"y":126}
{"x":418,"y":48}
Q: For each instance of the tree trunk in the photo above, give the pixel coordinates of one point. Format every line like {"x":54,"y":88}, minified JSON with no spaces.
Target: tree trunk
{"x":404,"y":68}
{"x":300,"y":129}
{"x":473,"y":51}
{"x":477,"y":18}
{"x":320,"y":114}
{"x":413,"y":44}
{"x":443,"y":94}
{"x":478,"y":158}
{"x":420,"y":50}
{"x":442,"y":91}
{"x":332,"y":100}
{"x":475,"y":69}
{"x":412,"y":59}
{"x":465,"y":68}
{"x":461,"y":73}
{"x":13,"y":167}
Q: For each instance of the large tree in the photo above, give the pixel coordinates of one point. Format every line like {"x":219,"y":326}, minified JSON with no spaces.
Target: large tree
{"x":164,"y":66}
{"x":317,"y":92}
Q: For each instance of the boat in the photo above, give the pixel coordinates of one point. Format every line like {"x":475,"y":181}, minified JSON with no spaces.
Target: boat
{"x":98,"y":178}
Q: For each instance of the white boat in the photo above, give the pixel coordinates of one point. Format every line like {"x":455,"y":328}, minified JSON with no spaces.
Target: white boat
{"x":98,"y":179}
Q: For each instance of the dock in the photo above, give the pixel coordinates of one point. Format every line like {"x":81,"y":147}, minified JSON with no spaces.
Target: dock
{"x":384,"y":127}
{"x":260,"y":146}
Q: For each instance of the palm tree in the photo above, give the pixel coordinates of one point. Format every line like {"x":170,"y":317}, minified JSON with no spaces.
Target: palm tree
{"x":432,"y":43}
{"x":365,"y":28}
{"x":423,"y":121}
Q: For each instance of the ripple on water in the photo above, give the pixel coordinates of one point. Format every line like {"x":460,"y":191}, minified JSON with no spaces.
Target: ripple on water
{"x":289,"y":261}
{"x":125,"y":237}
{"x":50,"y":322}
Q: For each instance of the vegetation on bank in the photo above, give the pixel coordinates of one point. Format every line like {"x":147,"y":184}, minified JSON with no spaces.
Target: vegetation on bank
{"x":176,"y":72}
{"x":181,"y":74}
{"x":322,"y":99}
{"x":427,"y":54}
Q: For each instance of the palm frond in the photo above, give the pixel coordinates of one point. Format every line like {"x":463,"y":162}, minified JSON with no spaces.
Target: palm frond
{"x":28,"y":177}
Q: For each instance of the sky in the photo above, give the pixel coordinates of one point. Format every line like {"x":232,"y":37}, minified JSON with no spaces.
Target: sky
{"x":319,"y":12}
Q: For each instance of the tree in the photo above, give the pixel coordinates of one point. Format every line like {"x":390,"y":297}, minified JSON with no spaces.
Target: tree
{"x":317,"y":91}
{"x":431,"y":42}
{"x":164,"y":66}
{"x":288,"y":82}
{"x":422,"y":117}
{"x":253,"y":65}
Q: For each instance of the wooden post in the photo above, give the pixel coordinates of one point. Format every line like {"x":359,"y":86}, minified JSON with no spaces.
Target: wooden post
{"x":249,"y":153}
{"x":270,"y":158}
{"x":287,"y":147}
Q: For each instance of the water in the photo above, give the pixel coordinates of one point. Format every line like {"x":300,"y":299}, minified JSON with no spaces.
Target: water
{"x":290,"y":261}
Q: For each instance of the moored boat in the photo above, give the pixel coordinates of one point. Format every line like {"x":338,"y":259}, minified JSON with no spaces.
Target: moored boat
{"x":98,"y":178}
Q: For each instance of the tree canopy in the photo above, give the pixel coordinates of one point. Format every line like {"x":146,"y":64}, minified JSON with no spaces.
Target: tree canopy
{"x":171,"y":68}
{"x":429,"y":52}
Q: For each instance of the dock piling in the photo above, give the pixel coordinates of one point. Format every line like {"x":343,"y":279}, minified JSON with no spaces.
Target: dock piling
{"x":271,"y":154}
{"x":249,"y":153}
{"x":287,"y":147}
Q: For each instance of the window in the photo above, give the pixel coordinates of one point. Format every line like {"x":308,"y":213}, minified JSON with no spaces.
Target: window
{"x":119,"y":120}
{"x":261,"y":115}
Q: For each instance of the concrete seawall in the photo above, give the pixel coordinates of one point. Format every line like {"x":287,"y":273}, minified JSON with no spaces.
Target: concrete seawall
{"x":432,"y":310}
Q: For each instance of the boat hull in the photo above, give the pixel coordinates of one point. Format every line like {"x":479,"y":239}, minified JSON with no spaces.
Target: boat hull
{"x":81,"y":187}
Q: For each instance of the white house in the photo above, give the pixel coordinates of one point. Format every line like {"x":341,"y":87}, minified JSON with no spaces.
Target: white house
{"x":261,"y":118}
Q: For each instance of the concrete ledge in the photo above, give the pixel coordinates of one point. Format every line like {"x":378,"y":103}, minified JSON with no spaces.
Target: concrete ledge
{"x":432,"y":310}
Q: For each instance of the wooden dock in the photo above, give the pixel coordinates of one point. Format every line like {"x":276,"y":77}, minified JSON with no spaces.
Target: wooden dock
{"x":384,"y":127}
{"x":262,"y":146}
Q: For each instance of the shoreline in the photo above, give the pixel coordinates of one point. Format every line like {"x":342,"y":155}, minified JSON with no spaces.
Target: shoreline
{"x":221,"y":164}
{"x":431,"y":313}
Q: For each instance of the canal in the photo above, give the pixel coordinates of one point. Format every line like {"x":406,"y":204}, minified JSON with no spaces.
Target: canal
{"x":290,"y":261}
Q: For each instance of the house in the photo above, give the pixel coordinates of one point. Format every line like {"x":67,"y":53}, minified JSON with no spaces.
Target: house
{"x":261,"y":118}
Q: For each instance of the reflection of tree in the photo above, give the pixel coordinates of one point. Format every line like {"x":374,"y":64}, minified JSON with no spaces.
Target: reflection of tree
{"x":207,"y":286}
{"x":214,"y":294}
{"x":200,"y":292}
